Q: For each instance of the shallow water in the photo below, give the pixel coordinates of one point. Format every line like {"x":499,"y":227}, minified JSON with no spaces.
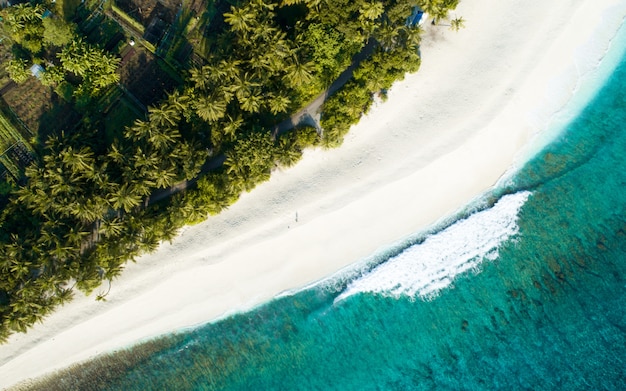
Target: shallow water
{"x":530,"y":297}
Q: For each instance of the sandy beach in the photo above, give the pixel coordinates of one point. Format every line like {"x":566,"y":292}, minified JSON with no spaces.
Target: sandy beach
{"x":444,"y":136}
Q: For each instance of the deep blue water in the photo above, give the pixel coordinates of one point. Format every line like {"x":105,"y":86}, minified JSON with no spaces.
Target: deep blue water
{"x":540,"y":305}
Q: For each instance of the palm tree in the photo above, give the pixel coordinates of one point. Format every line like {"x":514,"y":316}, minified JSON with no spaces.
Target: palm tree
{"x":210,"y":108}
{"x":202,"y":77}
{"x":74,"y":58}
{"x":90,"y":210}
{"x":164,"y":177}
{"x":164,"y":115}
{"x":81,"y":161}
{"x":162,"y":139}
{"x":457,"y":23}
{"x":437,"y":9}
{"x":111,"y":227}
{"x":116,"y":154}
{"x":287,"y":153}
{"x":231,"y":126}
{"x":387,"y":35}
{"x":242,"y":86}
{"x":439,"y":13}
{"x":278,"y":104}
{"x":74,"y":237}
{"x":230,"y":68}
{"x":139,"y":130}
{"x":124,"y":198}
{"x":240,"y":19}
{"x":179,"y":101}
{"x":252,"y":103}
{"x":143,"y":186}
{"x":18,"y":71}
{"x":299,"y":74}
{"x":371,"y":11}
{"x":145,"y":160}
{"x":411,"y":36}
{"x":314,"y":5}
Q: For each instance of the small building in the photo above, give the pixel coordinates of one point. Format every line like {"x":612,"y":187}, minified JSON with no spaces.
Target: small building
{"x":37,"y":71}
{"x":418,"y":17}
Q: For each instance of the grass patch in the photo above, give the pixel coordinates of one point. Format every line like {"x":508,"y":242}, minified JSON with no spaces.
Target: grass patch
{"x":122,"y":114}
{"x":127,"y":19}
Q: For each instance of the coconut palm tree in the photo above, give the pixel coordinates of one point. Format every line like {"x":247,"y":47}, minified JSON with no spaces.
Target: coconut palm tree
{"x":230,"y":68}
{"x":74,"y":236}
{"x":202,"y":78}
{"x":111,"y":227}
{"x":278,"y":103}
{"x":123,"y":197}
{"x":231,"y":126}
{"x":162,"y":139}
{"x":164,"y":177}
{"x":457,"y":23}
{"x":287,"y":153}
{"x":116,"y":153}
{"x":81,"y":161}
{"x":18,"y":71}
{"x":164,"y":115}
{"x":240,"y":19}
{"x":242,"y":86}
{"x":251,"y":103}
{"x":387,"y":36}
{"x":179,"y":101}
{"x":74,"y":58}
{"x":91,"y":209}
{"x":299,"y":73}
{"x":411,"y":36}
{"x":138,"y":131}
{"x":210,"y":108}
{"x":371,"y":11}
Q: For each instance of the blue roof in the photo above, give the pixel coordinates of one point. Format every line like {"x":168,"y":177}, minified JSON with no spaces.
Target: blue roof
{"x":415,"y":18}
{"x":36,"y":70}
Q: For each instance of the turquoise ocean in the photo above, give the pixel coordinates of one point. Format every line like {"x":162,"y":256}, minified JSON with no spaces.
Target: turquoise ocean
{"x":524,"y":289}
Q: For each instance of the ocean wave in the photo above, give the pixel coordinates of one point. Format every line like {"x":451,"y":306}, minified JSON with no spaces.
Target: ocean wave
{"x":425,"y":269}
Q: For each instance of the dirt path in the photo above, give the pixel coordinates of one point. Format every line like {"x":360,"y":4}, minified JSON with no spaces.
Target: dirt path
{"x":308,"y":114}
{"x":312,"y":110}
{"x":7,"y":87}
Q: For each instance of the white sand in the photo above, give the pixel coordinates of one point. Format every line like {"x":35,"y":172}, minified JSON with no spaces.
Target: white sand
{"x":445,"y":135}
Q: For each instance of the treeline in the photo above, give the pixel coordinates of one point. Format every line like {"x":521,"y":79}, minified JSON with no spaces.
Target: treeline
{"x":86,"y":209}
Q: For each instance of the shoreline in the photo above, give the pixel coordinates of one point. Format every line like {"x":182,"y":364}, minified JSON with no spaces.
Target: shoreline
{"x":445,"y":135}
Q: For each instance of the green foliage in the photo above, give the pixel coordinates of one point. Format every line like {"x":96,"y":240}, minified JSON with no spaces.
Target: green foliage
{"x":373,"y":75}
{"x":52,"y":76}
{"x":65,"y":90}
{"x":330,"y":51}
{"x":7,"y":186}
{"x":23,"y":22}
{"x":96,"y":68}
{"x":457,"y":23}
{"x":215,"y":192}
{"x":437,"y":9}
{"x":290,"y":145}
{"x":57,"y":32}
{"x":251,"y":160}
{"x":127,"y":19}
{"x":18,"y":70}
{"x":341,"y":111}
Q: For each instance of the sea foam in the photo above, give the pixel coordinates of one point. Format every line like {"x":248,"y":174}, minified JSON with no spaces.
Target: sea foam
{"x":424,"y":269}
